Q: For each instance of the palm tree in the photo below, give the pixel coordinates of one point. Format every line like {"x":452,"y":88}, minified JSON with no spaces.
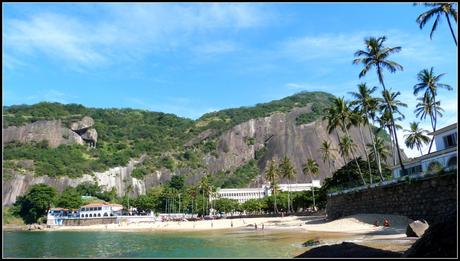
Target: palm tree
{"x":204,"y":185}
{"x":129,"y":189}
{"x":368,"y":105}
{"x":326,"y":150}
{"x":272,"y":174}
{"x":438,"y":10}
{"x":429,"y":83}
{"x":385,"y":122}
{"x":381,"y":148}
{"x":312,"y":168}
{"x":347,"y":149}
{"x":358,"y":118}
{"x":287,"y":171}
{"x":376,"y":56}
{"x":416,"y":137}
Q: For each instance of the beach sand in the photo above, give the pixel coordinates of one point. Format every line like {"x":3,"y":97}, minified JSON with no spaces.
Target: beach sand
{"x":356,"y":224}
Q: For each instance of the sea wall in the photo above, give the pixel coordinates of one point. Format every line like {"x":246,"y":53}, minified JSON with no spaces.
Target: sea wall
{"x":430,"y":198}
{"x":88,"y":221}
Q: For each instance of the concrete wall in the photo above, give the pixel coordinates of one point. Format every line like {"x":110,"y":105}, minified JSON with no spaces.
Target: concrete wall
{"x":89,"y":221}
{"x":429,"y":198}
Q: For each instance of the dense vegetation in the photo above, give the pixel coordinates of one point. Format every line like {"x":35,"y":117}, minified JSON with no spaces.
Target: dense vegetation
{"x":127,"y":133}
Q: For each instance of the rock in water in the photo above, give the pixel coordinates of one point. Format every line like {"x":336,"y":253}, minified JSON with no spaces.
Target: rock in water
{"x":416,"y":228}
{"x":439,"y":240}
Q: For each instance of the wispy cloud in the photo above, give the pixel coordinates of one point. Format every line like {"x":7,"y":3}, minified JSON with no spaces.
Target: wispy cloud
{"x":122,"y":32}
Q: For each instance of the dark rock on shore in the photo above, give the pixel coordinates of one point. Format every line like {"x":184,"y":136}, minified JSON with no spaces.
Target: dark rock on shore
{"x":439,"y":240}
{"x":417,"y":228}
{"x":348,"y":250}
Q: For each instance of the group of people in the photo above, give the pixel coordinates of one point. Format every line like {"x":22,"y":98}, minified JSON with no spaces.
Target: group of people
{"x":386,"y":223}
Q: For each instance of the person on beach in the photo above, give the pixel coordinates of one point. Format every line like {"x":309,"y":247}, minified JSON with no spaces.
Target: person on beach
{"x":262,"y":226}
{"x":386,"y":223}
{"x":211,"y":224}
{"x":255,"y":226}
{"x":231,"y":224}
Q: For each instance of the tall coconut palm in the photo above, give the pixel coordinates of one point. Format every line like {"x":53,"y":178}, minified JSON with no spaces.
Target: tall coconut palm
{"x":376,"y":55}
{"x":381,"y":148}
{"x":438,"y":10}
{"x":347,"y":149}
{"x":326,"y":151}
{"x":429,"y":83}
{"x":358,"y":119}
{"x":368,"y":105}
{"x":416,"y":137}
{"x":384,"y":122}
{"x":272,"y":174}
{"x":287,"y":171}
{"x":204,"y":185}
{"x":311,"y":168}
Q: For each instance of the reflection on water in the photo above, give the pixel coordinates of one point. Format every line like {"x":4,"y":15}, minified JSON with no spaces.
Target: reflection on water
{"x":121,"y":244}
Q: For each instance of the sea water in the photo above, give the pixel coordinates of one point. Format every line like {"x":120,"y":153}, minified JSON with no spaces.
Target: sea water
{"x":72,"y":244}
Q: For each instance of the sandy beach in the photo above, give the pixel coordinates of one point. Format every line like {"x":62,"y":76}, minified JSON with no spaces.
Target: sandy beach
{"x":356,"y":224}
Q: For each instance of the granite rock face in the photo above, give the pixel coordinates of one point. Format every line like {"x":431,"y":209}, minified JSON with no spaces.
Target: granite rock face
{"x":279,"y":135}
{"x":52,"y":131}
{"x":83,"y":124}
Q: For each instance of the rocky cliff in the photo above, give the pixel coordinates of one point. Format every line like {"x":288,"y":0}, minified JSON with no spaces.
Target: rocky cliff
{"x":52,"y":131}
{"x":262,"y":139}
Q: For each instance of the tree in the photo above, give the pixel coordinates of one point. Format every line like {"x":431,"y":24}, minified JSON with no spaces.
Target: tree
{"x":368,"y":105}
{"x":287,"y":171}
{"x":429,"y":83}
{"x":358,"y":119}
{"x":88,"y":188}
{"x":381,"y":149}
{"x":438,"y":10}
{"x":311,"y":168}
{"x":225,"y":205}
{"x":347,"y":148}
{"x":69,"y":198}
{"x":36,"y":202}
{"x":385,"y":122}
{"x":177,"y":182}
{"x":272,"y":174}
{"x":376,"y":56}
{"x":204,"y":186}
{"x":326,"y":150}
{"x":416,"y":137}
{"x":389,"y":109}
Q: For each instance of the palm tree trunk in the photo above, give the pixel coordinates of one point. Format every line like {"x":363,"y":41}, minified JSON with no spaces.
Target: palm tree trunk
{"x":365,"y":151}
{"x":452,"y":31}
{"x":274,"y":193}
{"x":313,"y":192}
{"x":289,"y":200}
{"x":433,"y":122}
{"x":356,"y":161}
{"x":376,"y":155}
{"x":394,"y":128}
{"x":392,"y":145}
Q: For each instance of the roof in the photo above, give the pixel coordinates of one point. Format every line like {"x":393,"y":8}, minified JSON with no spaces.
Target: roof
{"x":101,"y":204}
{"x":442,"y":130}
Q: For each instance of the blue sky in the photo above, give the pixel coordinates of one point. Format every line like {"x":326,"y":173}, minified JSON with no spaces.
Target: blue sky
{"x":189,"y":59}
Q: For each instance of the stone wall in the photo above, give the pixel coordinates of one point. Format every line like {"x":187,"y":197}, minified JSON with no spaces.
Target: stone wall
{"x":430,"y":198}
{"x":89,"y":221}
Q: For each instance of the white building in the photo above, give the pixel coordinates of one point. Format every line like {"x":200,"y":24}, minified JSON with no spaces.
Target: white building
{"x":445,"y":156}
{"x":100,"y":210}
{"x":244,"y":194}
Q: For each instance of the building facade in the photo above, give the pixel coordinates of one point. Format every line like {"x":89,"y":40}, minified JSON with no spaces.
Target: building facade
{"x":244,"y":194}
{"x":100,"y":210}
{"x":444,"y":157}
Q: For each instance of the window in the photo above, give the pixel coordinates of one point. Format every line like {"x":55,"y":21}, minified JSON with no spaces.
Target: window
{"x":452,"y":162}
{"x":99,"y":214}
{"x":99,"y":208}
{"x":450,"y":140}
{"x":105,"y":214}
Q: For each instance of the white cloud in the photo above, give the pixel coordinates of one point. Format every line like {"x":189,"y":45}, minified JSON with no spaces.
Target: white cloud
{"x":123,"y":32}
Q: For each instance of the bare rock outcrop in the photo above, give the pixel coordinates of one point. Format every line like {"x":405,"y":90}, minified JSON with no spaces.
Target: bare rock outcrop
{"x":279,"y":135}
{"x":82,"y":125}
{"x":52,"y":131}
